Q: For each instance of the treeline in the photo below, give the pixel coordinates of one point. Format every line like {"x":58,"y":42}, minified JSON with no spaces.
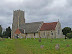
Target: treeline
{"x":67,"y":32}
{"x":6,"y":33}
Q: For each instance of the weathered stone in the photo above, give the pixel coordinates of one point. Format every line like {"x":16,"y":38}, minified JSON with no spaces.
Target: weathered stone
{"x":65,"y":37}
{"x":39,"y":40}
{"x":18,"y":20}
{"x":8,"y":37}
{"x":42,"y":46}
{"x":57,"y":47}
{"x":51,"y":41}
{"x":68,"y":45}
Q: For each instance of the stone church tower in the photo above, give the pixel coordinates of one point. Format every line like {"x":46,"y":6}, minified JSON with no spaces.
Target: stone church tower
{"x":18,"y":20}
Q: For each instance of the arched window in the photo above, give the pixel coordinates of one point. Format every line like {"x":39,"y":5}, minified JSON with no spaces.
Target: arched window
{"x":51,"y":33}
{"x":34,"y":34}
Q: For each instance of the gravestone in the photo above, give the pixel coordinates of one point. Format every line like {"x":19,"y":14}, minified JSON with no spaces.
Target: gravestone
{"x":65,"y":37}
{"x":57,"y":47}
{"x":51,"y":41}
{"x":8,"y":37}
{"x":42,"y":46}
{"x":68,"y":45}
{"x":40,"y":39}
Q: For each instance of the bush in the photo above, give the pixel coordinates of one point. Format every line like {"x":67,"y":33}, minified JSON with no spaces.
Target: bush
{"x":69,"y":35}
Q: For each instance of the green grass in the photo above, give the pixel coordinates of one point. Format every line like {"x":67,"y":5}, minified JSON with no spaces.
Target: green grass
{"x":7,"y":47}
{"x":31,"y":46}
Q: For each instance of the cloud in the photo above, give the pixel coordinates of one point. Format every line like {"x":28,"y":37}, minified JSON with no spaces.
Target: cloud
{"x":37,"y":10}
{"x":14,"y":0}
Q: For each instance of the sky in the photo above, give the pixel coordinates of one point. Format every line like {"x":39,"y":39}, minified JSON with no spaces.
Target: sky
{"x":37,"y":10}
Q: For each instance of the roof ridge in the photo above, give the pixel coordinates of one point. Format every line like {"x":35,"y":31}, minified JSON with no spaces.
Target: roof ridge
{"x":37,"y":22}
{"x":53,"y":22}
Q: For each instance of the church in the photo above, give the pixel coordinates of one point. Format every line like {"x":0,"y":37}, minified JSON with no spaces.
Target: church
{"x":20,"y":29}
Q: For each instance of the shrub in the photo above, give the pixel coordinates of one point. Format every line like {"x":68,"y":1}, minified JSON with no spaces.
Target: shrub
{"x":69,"y":35}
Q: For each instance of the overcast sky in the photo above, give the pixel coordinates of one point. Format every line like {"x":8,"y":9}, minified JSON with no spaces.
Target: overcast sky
{"x":37,"y":10}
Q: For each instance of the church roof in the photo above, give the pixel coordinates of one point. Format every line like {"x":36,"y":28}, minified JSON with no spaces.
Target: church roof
{"x":31,"y":27}
{"x":48,"y":26}
{"x":18,"y":31}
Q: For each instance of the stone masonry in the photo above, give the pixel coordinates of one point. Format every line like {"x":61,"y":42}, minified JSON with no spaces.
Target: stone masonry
{"x":18,"y":20}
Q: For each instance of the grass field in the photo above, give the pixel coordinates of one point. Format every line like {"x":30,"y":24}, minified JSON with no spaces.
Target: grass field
{"x":31,"y":46}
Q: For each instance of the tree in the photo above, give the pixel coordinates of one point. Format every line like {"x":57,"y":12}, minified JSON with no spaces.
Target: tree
{"x":71,"y":31}
{"x":4,"y":34}
{"x":8,"y":32}
{"x":66,"y":30}
{"x":69,"y":35}
{"x":0,"y":31}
